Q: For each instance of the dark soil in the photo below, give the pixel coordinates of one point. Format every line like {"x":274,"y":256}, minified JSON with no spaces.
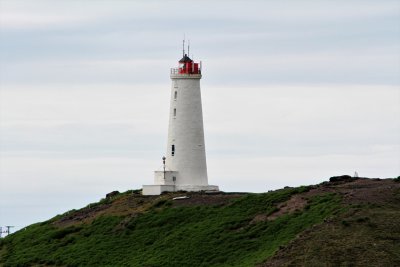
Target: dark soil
{"x":358,"y":237}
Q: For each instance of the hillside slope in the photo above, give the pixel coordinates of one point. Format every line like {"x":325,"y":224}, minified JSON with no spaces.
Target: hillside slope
{"x":346,"y":222}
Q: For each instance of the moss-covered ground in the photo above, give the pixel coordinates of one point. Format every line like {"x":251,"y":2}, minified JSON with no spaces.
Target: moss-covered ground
{"x":237,"y":232}
{"x":164,"y":235}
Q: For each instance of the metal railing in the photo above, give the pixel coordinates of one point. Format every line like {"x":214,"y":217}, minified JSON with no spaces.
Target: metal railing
{"x":175,"y":71}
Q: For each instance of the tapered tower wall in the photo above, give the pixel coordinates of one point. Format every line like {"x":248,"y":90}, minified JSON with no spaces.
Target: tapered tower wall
{"x":185,"y":162}
{"x":185,"y":147}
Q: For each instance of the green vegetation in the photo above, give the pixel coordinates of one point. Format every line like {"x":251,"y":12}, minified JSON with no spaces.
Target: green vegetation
{"x":367,"y":235}
{"x":208,"y":235}
{"x":247,"y":230}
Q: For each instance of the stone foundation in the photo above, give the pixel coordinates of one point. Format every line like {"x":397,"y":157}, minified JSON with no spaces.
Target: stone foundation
{"x":149,"y":190}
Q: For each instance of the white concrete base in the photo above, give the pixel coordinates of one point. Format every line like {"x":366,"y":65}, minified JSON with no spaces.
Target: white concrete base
{"x":151,"y":190}
{"x":165,"y":178}
{"x":194,"y":188}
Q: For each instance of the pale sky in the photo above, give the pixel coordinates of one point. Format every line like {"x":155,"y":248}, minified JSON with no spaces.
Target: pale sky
{"x":293,"y":92}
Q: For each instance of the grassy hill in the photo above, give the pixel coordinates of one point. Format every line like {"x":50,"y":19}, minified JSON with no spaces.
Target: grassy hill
{"x":345,"y":222}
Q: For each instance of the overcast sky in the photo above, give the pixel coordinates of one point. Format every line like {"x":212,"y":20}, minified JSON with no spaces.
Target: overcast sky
{"x":293,"y":92}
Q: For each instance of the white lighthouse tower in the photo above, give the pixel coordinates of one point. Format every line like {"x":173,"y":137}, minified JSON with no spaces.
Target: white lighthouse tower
{"x":184,"y":167}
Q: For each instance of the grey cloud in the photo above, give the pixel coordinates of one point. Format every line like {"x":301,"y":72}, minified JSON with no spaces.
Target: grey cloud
{"x":293,"y":92}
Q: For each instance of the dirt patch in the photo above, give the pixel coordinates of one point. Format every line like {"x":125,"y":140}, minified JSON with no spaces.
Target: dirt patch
{"x":332,"y":240}
{"x":133,"y":204}
{"x":259,"y":218}
{"x":116,"y":206}
{"x":353,"y":191}
{"x":295,"y":203}
{"x":364,"y":191}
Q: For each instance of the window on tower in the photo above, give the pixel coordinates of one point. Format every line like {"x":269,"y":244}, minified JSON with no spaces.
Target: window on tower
{"x":176,"y":95}
{"x":174,"y":112}
{"x":173,"y":150}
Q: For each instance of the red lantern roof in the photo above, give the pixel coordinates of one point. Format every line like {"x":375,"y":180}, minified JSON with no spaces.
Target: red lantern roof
{"x":185,"y":59}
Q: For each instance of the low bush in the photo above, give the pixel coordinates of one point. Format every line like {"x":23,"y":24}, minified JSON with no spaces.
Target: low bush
{"x":173,"y":236}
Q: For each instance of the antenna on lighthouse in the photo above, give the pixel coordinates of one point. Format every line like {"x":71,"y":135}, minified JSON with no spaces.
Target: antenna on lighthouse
{"x":183,"y":46}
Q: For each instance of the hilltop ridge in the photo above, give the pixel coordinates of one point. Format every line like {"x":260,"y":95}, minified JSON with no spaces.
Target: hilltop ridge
{"x":346,"y":221}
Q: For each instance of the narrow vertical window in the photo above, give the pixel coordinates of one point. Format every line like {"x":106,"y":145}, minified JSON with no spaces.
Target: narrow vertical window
{"x":173,"y":150}
{"x":176,"y":95}
{"x":174,"y":112}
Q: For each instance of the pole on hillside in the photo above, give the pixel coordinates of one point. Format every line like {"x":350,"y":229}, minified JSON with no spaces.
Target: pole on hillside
{"x":163,"y":160}
{"x":8,"y":229}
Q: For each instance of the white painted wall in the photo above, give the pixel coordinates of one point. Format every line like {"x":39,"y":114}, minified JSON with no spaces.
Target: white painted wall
{"x":186,"y":131}
{"x":167,"y":180}
{"x":150,"y":190}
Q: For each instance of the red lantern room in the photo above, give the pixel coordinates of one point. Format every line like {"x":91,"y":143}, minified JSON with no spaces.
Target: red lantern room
{"x":188,"y":66}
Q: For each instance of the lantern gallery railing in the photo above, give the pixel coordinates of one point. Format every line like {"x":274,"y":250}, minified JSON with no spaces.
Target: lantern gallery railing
{"x":178,"y":71}
{"x":174,"y":71}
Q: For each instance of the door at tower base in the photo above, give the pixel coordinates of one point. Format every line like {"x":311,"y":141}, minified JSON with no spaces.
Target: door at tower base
{"x":184,"y":165}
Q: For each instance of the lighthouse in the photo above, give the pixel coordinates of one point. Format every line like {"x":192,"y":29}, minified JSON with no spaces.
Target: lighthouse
{"x":184,"y":165}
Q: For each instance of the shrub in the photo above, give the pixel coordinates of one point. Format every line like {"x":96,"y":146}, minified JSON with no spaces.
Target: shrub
{"x":345,"y":223}
{"x":341,"y":178}
{"x":66,"y":231}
